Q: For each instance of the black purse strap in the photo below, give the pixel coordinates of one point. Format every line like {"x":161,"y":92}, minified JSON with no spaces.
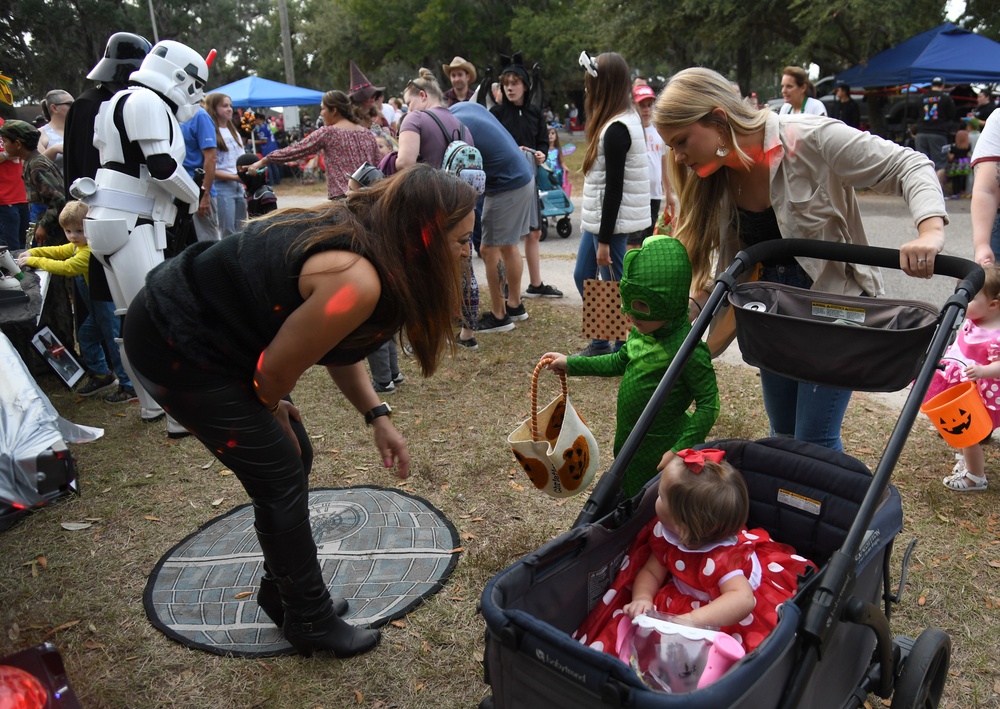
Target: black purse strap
{"x":447,"y":140}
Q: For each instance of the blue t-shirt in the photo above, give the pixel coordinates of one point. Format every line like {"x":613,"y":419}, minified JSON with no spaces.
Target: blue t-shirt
{"x":503,"y":161}
{"x":264,"y":135}
{"x":199,"y":134}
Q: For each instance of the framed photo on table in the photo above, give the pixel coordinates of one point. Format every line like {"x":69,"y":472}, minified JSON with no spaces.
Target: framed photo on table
{"x":61,"y":360}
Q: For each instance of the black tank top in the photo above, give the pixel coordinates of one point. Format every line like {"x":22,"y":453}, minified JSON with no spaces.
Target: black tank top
{"x":220,"y":304}
{"x":758,"y":227}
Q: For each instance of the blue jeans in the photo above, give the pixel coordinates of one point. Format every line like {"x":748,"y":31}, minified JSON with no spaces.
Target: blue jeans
{"x":995,"y":237}
{"x":100,"y":325}
{"x":232,"y":205}
{"x":13,"y":224}
{"x":586,"y":265}
{"x":806,"y":412}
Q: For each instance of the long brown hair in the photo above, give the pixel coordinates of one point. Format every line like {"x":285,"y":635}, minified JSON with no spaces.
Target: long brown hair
{"x":689,"y":97}
{"x":609,"y":94}
{"x":401,"y":224}
{"x":212,"y":102}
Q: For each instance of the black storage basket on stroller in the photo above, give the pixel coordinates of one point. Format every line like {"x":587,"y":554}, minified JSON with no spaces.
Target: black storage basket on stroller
{"x":832,"y":645}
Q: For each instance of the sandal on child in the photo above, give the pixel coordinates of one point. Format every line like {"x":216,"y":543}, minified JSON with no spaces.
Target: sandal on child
{"x":964,"y":481}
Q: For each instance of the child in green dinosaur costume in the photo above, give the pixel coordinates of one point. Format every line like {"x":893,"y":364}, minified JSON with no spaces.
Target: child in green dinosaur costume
{"x":654,"y":289}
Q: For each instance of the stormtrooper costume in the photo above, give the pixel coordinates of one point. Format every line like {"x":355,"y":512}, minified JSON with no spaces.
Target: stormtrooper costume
{"x":131,"y":199}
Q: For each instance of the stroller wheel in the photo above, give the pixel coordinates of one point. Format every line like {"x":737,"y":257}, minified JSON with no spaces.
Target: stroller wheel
{"x":545,"y":229}
{"x":564,"y":227}
{"x":921,"y":679}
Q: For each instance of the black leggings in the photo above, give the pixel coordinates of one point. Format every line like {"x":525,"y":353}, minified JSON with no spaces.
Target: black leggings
{"x":224,"y":414}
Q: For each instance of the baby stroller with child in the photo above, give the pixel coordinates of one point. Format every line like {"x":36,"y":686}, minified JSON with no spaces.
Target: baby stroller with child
{"x":832,"y":645}
{"x":260,"y":196}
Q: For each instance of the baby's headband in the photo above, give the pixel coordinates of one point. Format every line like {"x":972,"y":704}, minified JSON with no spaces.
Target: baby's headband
{"x":588,"y":63}
{"x":695,"y":460}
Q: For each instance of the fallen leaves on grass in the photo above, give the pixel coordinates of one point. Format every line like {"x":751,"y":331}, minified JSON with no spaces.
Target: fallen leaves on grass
{"x":151,"y":518}
{"x":76,"y":526}
{"x":60,"y":628}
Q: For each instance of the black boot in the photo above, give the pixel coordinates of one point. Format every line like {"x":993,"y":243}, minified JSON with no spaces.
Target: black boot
{"x":269,"y":599}
{"x":310,"y":621}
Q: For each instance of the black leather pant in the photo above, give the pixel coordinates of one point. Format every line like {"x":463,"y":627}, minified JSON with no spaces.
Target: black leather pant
{"x":227,"y":417}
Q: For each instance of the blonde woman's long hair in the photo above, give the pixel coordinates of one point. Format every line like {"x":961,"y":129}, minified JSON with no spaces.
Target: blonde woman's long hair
{"x":689,"y":97}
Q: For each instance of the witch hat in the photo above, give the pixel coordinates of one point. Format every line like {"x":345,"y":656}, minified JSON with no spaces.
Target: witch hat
{"x":361,"y":88}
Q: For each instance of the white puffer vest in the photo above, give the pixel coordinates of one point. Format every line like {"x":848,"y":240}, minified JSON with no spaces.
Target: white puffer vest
{"x":633,"y":215}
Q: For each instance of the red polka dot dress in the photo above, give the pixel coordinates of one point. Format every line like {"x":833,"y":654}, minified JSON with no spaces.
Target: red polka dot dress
{"x":771,"y":568}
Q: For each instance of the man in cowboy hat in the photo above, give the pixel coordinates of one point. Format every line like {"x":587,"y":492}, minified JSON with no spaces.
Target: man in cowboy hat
{"x":362,"y":93}
{"x":462,"y":75}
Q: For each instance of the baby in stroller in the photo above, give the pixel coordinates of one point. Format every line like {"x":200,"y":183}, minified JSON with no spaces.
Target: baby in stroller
{"x":696,"y":559}
{"x":260,"y":196}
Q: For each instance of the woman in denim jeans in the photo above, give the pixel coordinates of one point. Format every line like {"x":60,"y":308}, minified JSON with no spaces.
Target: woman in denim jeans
{"x":616,"y":175}
{"x":746,"y":175}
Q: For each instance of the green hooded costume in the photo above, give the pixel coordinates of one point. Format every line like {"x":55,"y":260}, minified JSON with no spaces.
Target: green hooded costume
{"x":655,"y":286}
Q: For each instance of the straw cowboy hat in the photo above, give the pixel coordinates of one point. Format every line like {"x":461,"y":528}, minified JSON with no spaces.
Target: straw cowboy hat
{"x":459,"y":63}
{"x":361,"y":88}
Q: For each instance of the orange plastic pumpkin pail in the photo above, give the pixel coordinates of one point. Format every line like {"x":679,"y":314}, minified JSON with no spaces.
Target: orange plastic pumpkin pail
{"x":960,"y":415}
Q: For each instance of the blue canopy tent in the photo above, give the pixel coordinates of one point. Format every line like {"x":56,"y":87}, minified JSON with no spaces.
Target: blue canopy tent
{"x":955,"y":54}
{"x":255,"y":91}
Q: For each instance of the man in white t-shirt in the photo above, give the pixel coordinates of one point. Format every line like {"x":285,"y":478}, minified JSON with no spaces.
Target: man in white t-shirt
{"x":985,"y":209}
{"x":656,"y":156}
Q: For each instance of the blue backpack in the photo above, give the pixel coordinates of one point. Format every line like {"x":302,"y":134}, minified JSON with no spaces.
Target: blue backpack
{"x":462,"y":159}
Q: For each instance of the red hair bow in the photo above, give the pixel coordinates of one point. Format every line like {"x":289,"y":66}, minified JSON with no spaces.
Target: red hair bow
{"x":695,"y":460}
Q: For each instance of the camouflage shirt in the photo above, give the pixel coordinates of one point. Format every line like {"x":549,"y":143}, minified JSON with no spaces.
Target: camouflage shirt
{"x":44,"y":184}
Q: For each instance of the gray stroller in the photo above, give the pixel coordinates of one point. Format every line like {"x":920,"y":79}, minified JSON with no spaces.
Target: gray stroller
{"x":832,"y":645}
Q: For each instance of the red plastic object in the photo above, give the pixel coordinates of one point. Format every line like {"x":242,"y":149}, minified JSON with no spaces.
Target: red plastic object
{"x":20,"y":689}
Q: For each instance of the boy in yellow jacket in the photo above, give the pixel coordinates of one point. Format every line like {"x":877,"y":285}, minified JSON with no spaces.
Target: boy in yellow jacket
{"x":73,"y":260}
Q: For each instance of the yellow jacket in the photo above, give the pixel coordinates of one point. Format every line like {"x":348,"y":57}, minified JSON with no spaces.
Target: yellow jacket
{"x":62,"y":260}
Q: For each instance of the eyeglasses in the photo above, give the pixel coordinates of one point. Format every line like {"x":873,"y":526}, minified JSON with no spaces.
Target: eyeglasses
{"x":63,"y":103}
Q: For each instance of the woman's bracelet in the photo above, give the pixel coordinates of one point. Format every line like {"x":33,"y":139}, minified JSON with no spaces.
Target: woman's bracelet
{"x":696,"y":303}
{"x":274,"y":409}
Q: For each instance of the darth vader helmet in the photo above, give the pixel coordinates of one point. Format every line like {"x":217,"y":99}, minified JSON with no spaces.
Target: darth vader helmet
{"x":122,"y":56}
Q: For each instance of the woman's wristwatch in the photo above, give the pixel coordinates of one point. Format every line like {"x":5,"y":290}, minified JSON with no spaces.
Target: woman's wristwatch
{"x":380,"y":410}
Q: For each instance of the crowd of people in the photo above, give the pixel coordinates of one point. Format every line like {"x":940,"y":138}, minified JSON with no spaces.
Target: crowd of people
{"x":218,"y":334}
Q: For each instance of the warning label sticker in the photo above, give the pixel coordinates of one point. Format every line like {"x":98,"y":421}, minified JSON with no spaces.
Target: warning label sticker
{"x":838,"y":312}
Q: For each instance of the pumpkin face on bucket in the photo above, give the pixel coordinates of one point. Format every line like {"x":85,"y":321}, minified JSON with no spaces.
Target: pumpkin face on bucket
{"x":957,"y":425}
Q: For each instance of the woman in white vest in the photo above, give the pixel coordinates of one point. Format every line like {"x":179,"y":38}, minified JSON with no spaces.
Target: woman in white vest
{"x":616,"y":176}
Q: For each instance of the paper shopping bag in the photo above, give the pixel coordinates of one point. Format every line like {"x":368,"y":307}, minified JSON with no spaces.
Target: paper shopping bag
{"x":554,"y":445}
{"x":602,"y":311}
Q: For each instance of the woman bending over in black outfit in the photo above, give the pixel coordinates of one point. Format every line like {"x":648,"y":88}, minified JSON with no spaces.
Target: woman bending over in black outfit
{"x":221,"y":334}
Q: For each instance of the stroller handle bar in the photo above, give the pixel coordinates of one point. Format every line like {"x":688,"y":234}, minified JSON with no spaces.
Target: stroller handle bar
{"x":969,"y":272}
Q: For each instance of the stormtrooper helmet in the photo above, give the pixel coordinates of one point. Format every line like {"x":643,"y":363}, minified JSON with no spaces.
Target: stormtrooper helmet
{"x":177,"y":72}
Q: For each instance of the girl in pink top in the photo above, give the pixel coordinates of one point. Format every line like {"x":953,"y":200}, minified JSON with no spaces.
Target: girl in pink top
{"x":973,"y":357}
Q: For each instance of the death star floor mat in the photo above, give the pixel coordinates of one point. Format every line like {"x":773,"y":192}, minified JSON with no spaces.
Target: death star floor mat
{"x":383,"y":550}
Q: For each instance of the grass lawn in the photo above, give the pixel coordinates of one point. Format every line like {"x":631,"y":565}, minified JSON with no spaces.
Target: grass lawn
{"x":144,"y":493}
